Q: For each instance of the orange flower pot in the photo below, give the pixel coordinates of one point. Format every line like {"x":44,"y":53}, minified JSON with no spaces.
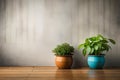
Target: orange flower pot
{"x":64,"y":62}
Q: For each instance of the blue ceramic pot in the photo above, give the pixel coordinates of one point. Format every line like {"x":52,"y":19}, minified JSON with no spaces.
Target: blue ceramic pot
{"x":96,"y":61}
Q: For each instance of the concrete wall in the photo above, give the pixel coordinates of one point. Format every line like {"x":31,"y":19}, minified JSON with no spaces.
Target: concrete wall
{"x":30,"y":29}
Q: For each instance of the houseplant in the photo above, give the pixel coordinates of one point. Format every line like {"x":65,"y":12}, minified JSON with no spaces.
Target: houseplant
{"x":96,"y":47}
{"x":63,"y":55}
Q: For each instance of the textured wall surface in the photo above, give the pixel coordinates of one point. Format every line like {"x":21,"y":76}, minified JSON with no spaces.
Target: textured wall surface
{"x":30,"y":29}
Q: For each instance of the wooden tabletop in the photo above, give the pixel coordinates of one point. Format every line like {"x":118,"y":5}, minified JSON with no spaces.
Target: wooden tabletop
{"x":52,"y":73}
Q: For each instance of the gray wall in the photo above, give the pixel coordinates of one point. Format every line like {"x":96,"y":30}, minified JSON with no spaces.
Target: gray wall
{"x":30,"y":29}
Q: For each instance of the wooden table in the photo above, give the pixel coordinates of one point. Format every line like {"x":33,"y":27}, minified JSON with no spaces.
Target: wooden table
{"x":52,"y":73}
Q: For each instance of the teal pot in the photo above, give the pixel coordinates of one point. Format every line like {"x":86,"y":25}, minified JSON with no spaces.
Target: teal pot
{"x":96,"y":61}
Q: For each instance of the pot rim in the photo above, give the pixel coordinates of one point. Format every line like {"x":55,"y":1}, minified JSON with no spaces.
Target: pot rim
{"x":97,"y":55}
{"x":64,"y":55}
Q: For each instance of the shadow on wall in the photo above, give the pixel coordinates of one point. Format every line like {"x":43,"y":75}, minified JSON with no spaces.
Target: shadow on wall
{"x":6,"y":60}
{"x":2,"y":58}
{"x":78,"y":60}
{"x":113,"y":56}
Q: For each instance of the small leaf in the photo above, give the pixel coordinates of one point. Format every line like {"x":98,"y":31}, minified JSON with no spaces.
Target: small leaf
{"x":112,"y":41}
{"x":86,"y":40}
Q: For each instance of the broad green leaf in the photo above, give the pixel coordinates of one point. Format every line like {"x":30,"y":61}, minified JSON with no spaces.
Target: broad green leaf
{"x":92,"y":51}
{"x":84,"y":52}
{"x":87,"y":41}
{"x":106,"y":47}
{"x":92,"y":43}
{"x":112,"y":41}
{"x":93,"y":38}
{"x":104,"y":41}
{"x":81,"y":46}
{"x":99,"y":45}
{"x":96,"y":47}
{"x":88,"y":49}
{"x":100,"y":37}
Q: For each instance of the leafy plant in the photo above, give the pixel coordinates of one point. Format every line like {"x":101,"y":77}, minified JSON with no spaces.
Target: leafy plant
{"x":96,"y":45}
{"x":63,"y":49}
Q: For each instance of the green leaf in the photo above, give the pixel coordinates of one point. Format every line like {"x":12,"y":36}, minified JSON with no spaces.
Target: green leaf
{"x":109,"y":47}
{"x":88,"y":49}
{"x":99,"y":46}
{"x":105,"y":47}
{"x":87,"y":41}
{"x":112,"y":41}
{"x":63,"y":49}
{"x":92,"y":51}
{"x":81,"y":46}
{"x":104,"y":41}
{"x":100,"y":37}
{"x":92,"y":44}
{"x":84,"y":52}
{"x":92,"y":38}
{"x":96,"y":47}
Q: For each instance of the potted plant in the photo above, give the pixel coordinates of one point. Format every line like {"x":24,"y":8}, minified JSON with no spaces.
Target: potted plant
{"x":96,"y":47}
{"x":63,"y":55}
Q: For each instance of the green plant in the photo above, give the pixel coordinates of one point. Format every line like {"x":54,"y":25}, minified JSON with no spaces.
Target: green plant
{"x":63,"y":49}
{"x":96,"y":45}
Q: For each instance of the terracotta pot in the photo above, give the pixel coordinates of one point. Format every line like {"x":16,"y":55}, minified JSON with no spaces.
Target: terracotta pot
{"x":64,"y":62}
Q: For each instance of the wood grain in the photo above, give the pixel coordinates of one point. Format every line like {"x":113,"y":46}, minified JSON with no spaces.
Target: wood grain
{"x":52,"y":73}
